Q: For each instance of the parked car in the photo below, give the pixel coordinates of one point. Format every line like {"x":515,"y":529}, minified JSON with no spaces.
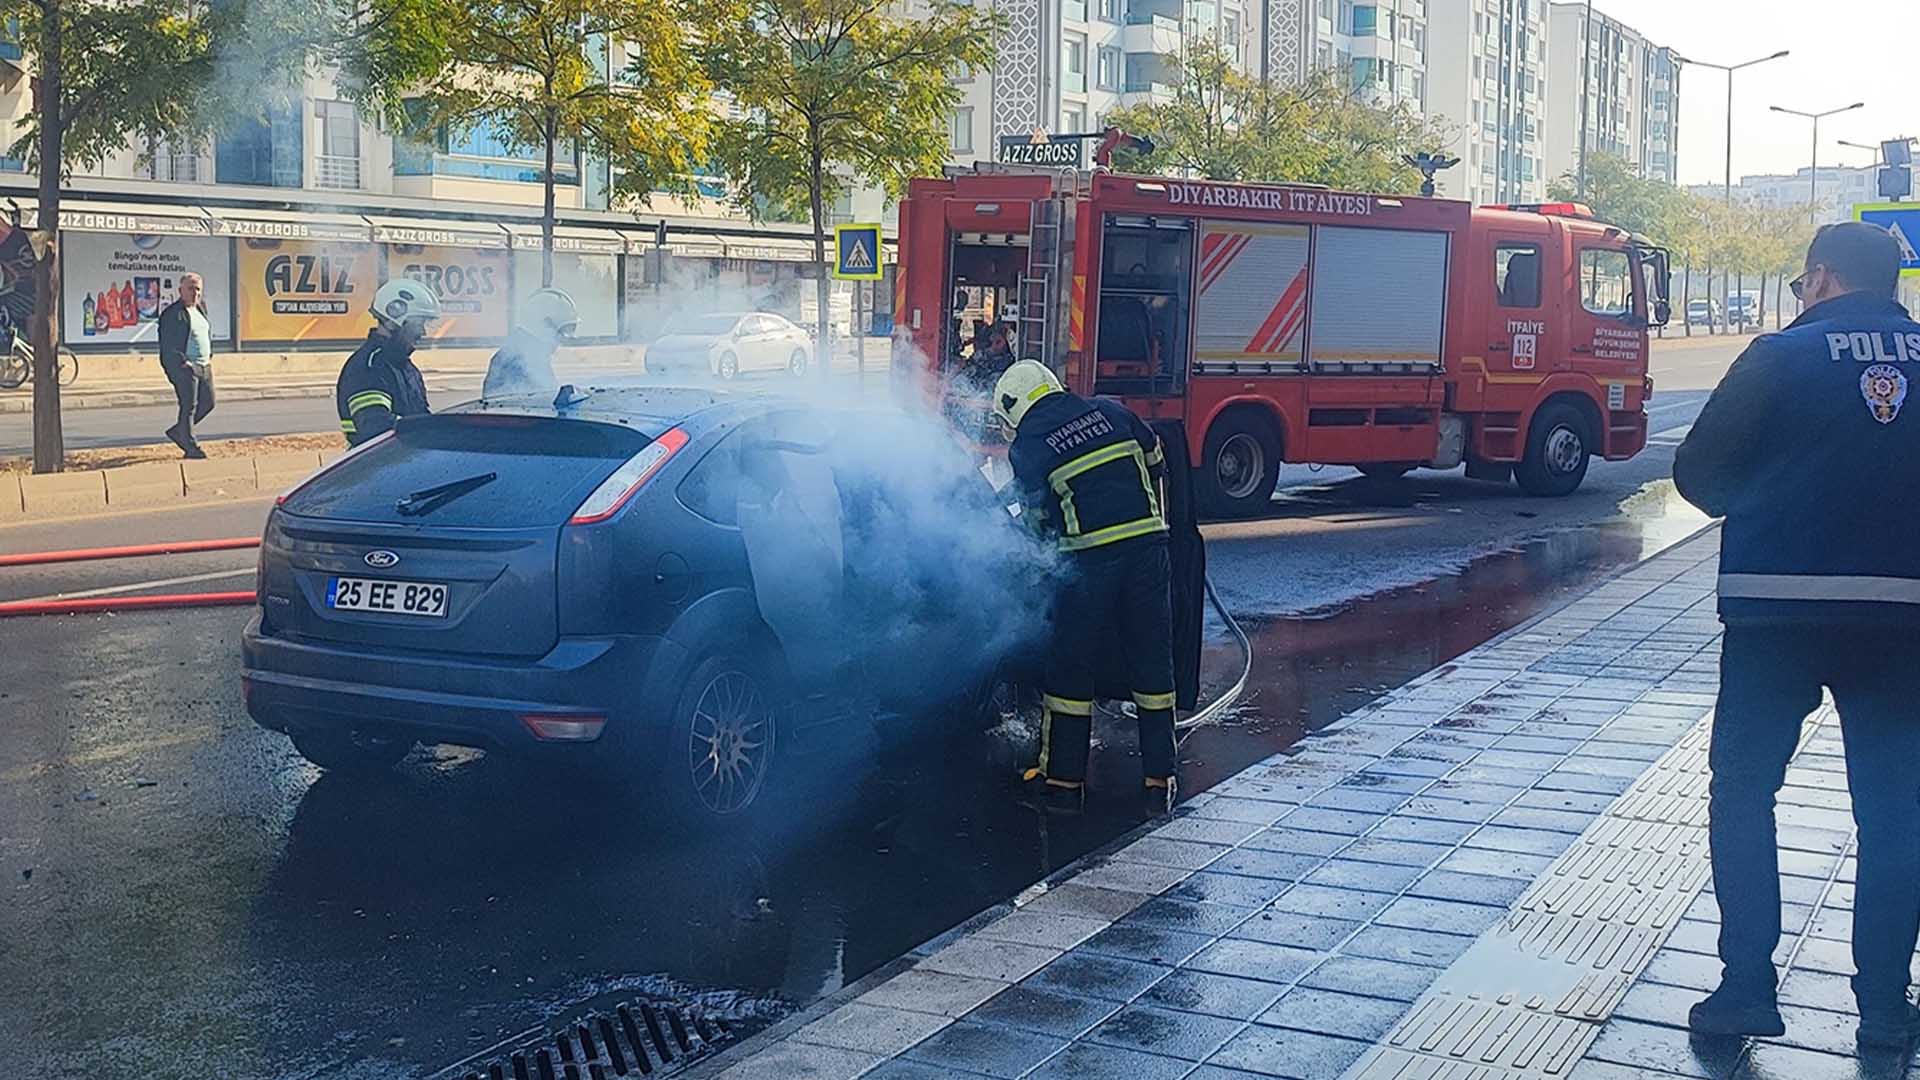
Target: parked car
{"x":1702,"y":313}
{"x":682,"y":586}
{"x":1743,"y":310}
{"x":724,"y":345}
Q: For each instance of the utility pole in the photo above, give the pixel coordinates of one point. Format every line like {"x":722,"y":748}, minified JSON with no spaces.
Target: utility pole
{"x":1813,"y":172}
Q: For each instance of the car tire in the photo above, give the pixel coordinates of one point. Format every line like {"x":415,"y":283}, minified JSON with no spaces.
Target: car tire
{"x":1239,"y":465}
{"x":797,"y":363}
{"x":1558,"y":449}
{"x":729,"y":366}
{"x":351,"y":752}
{"x":721,"y":763}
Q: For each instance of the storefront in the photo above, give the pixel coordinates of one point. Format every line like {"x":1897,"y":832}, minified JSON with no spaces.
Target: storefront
{"x":586,"y":266}
{"x":468,"y":265}
{"x":120,"y":267}
{"x":300,"y":279}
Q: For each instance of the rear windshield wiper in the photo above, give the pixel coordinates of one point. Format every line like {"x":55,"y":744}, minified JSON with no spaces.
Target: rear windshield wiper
{"x":427,"y":500}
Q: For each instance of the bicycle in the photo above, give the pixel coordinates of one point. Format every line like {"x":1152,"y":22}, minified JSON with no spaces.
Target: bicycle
{"x":16,"y":365}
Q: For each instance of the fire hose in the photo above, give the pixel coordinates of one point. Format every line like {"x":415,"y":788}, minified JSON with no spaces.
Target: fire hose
{"x":89,"y":604}
{"x":1212,"y":710}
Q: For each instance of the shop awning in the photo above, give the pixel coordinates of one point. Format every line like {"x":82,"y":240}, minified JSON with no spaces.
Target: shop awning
{"x":471,"y":234}
{"x":696,"y":247}
{"x":290,"y":225}
{"x":87,"y":215}
{"x":777,"y":249}
{"x":570,"y":238}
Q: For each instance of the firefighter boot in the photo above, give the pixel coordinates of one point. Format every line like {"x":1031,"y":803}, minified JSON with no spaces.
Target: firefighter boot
{"x":1157,"y":795}
{"x":1050,"y":795}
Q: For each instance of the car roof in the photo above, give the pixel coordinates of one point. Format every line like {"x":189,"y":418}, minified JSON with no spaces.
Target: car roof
{"x":648,"y":409}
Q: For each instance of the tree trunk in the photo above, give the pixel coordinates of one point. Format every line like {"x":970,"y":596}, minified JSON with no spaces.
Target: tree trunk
{"x":49,"y":442}
{"x":823,"y":344}
{"x":1686,"y":298}
{"x":1760,"y":305}
{"x":546,"y":216}
{"x":1713,"y":324}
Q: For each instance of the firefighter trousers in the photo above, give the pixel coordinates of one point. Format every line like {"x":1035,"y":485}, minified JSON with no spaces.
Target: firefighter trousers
{"x":1126,"y":586}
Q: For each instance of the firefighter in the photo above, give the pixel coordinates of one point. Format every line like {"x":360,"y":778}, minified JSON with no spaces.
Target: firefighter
{"x":1089,"y":475}
{"x":379,"y":383}
{"x":525,"y":360}
{"x":1810,"y":448}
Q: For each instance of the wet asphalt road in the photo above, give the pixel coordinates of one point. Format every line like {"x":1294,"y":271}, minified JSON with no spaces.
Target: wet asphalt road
{"x":185,"y":897}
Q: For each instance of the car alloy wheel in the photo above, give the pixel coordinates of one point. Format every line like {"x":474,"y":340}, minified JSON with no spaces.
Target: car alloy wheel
{"x":729,"y":366}
{"x":798,"y":363}
{"x":730,"y":743}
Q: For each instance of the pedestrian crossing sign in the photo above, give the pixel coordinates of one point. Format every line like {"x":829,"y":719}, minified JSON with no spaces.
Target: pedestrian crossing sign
{"x":1903,"y":221}
{"x":856,"y":252}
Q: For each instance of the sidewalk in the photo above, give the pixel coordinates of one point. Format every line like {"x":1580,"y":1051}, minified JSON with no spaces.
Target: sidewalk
{"x":1496,"y":872}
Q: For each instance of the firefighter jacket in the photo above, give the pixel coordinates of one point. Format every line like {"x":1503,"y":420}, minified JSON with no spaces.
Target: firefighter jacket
{"x":1809,"y":452}
{"x":1088,"y":471}
{"x":378,"y":385}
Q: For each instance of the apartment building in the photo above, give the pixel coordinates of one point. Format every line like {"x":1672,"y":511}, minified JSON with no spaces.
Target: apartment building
{"x":1839,"y":189}
{"x":1488,"y":84}
{"x":1064,"y":64}
{"x":1380,"y":47}
{"x":1631,"y":94}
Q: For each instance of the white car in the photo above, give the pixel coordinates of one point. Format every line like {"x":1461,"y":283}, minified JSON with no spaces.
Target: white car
{"x":724,"y":345}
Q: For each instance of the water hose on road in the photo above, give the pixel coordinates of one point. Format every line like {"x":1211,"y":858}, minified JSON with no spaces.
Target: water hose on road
{"x":134,"y":551}
{"x":84,"y":605}
{"x":1212,"y":710}
{"x":126,"y":603}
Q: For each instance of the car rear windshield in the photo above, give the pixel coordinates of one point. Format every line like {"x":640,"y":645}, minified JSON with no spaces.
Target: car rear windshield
{"x":543,"y":468}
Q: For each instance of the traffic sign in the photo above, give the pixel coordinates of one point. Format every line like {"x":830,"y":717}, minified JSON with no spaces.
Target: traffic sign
{"x":856,"y":252}
{"x":1903,"y":221}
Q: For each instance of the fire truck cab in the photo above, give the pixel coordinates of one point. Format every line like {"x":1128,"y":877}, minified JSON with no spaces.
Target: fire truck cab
{"x":1288,"y":322}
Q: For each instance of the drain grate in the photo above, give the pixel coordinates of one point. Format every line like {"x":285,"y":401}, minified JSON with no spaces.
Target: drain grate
{"x":633,"y":1039}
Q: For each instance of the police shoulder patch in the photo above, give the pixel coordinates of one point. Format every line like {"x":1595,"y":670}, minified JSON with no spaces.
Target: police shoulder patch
{"x":1884,"y":386}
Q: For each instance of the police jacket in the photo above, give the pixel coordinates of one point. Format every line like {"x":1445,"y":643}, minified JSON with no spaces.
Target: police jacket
{"x":1808,"y":448}
{"x":378,"y":385}
{"x":1088,"y":471}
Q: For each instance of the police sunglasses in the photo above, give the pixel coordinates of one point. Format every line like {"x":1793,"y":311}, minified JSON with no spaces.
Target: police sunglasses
{"x":1799,"y":284}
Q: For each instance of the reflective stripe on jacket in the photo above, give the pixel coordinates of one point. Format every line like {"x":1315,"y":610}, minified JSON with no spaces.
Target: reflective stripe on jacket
{"x":1089,"y":471}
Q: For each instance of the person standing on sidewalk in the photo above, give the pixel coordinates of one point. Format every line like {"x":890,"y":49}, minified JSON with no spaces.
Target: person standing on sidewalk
{"x":1808,"y":450}
{"x":186,"y":355}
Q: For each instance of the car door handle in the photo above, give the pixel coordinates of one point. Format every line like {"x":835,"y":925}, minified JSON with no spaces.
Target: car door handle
{"x":1587,"y":349}
{"x":1498,"y":347}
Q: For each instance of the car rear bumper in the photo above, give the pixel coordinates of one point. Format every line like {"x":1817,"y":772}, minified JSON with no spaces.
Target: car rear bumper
{"x":466,"y":701}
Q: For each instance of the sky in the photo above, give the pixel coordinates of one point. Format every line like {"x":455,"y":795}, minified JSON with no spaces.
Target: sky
{"x":1842,"y":51}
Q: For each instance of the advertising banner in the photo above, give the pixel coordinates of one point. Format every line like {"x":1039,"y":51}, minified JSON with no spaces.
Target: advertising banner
{"x":114,"y":285}
{"x":472,"y":284}
{"x":301,"y":291}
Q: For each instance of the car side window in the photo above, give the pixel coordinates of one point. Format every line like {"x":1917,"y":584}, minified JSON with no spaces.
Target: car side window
{"x":712,"y":488}
{"x":1606,"y":281}
{"x":1516,"y":275}
{"x":755,"y":324}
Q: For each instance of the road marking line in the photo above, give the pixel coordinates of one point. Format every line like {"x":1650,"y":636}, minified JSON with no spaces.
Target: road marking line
{"x":115,"y":590}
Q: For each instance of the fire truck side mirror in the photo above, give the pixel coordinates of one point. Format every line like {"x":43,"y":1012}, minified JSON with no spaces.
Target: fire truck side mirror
{"x":1662,"y":312}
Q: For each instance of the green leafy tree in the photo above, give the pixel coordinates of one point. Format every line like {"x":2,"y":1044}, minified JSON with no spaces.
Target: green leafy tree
{"x":110,"y":74}
{"x":1225,"y":125}
{"x":613,"y":77}
{"x":1620,"y":196}
{"x":830,"y":92}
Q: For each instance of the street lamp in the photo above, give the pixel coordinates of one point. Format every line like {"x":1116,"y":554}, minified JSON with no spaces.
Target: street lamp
{"x":1730,"y":69}
{"x":1874,"y":150}
{"x":1813,"y":173}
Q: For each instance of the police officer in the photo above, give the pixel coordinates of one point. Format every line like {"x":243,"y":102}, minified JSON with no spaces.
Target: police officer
{"x":1811,"y":452}
{"x":379,"y":382}
{"x":1089,"y":475}
{"x":524,"y":362}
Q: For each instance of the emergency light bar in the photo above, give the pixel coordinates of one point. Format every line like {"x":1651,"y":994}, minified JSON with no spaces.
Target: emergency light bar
{"x":1551,"y":209}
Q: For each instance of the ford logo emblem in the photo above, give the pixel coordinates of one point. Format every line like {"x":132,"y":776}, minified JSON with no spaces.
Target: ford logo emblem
{"x":380,"y":560}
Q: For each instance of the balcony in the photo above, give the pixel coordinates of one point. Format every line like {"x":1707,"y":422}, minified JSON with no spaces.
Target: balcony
{"x":1147,"y":33}
{"x":338,"y":173}
{"x":1147,"y":92}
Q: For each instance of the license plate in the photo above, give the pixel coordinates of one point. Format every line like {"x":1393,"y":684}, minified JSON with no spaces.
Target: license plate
{"x":427,"y":598}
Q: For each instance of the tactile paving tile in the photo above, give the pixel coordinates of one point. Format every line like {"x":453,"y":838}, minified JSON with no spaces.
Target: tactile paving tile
{"x":1530,"y":996}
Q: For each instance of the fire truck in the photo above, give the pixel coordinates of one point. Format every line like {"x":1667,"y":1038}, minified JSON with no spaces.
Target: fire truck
{"x":1287,"y":322}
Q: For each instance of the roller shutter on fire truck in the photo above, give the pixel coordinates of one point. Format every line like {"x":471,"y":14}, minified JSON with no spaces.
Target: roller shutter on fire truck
{"x":1253,"y":296}
{"x":1379,"y":299}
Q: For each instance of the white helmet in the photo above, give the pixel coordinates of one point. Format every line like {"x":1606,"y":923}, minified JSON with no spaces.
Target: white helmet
{"x":1026,"y":382}
{"x":550,"y":315}
{"x":403,"y":299}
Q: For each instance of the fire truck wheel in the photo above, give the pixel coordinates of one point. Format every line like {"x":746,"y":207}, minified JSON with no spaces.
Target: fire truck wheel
{"x":1239,"y":466}
{"x":1557,"y":452}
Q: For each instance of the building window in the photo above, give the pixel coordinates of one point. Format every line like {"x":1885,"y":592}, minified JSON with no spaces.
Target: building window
{"x":338,"y":163}
{"x":1345,"y":23}
{"x":1325,"y":56}
{"x":1073,"y":120}
{"x":1231,"y":34}
{"x":1366,"y":20}
{"x":481,"y":153}
{"x":960,"y":130}
{"x":1326,"y":10}
{"x":1075,"y":64}
{"x":1110,"y":10}
{"x":1108,"y":72}
{"x":265,"y":150}
{"x":1074,"y":10}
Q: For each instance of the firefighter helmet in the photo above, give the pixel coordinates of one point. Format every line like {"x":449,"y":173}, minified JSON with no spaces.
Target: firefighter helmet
{"x":402,"y":300}
{"x":1023,"y":384}
{"x":550,"y":315}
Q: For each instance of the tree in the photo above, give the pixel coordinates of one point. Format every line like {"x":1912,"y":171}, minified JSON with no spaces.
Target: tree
{"x":1619,"y":196}
{"x":109,"y":72}
{"x":828,"y":92}
{"x":1223,"y":124}
{"x":541,"y":74}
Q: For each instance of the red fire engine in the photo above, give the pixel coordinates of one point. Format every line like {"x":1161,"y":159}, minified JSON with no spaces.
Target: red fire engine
{"x":1289,"y":322}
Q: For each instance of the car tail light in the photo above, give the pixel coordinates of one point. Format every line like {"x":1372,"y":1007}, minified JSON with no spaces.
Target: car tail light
{"x":331,"y":465}
{"x":613,"y":493}
{"x":564,"y":727}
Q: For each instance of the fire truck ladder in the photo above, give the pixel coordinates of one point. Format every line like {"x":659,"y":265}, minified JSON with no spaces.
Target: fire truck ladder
{"x":1039,"y":308}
